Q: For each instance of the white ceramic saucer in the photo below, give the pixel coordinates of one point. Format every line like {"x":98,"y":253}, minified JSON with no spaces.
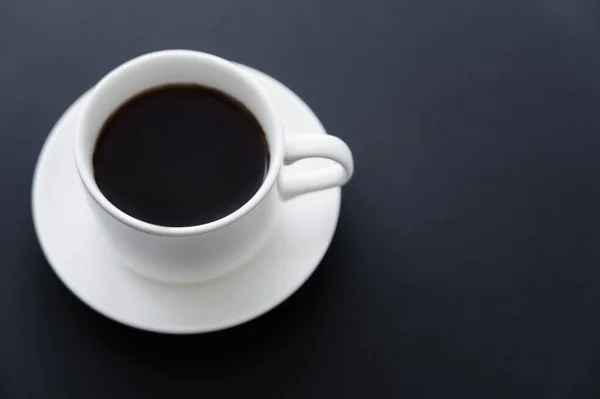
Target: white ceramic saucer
{"x":70,"y":240}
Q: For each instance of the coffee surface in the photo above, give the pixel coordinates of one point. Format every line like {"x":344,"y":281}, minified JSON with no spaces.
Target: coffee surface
{"x":180,"y":155}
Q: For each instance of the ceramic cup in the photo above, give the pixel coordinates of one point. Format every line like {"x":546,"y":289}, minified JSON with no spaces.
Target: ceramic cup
{"x":202,"y":252}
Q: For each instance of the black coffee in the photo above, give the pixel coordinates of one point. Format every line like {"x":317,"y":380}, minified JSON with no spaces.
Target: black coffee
{"x":180,"y":155}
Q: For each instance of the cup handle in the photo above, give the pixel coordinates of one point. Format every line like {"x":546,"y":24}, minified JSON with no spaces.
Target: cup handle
{"x":293,"y":182}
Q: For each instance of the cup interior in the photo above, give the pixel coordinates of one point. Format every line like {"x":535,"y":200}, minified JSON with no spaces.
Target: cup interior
{"x":164,"y":68}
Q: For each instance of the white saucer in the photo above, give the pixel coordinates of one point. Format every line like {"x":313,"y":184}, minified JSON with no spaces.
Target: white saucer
{"x":70,"y":240}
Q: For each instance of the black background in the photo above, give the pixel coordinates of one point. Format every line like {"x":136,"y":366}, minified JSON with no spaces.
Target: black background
{"x":466,"y":261}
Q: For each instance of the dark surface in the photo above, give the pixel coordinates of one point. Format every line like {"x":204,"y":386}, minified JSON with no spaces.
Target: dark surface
{"x":466,"y":261}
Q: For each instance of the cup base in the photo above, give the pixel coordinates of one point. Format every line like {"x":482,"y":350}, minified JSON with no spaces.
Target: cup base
{"x":70,"y":239}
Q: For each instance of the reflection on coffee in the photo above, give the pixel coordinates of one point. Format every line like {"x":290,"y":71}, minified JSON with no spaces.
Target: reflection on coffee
{"x":180,"y":155}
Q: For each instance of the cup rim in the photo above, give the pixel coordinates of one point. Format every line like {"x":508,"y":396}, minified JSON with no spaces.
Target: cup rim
{"x":86,"y":175}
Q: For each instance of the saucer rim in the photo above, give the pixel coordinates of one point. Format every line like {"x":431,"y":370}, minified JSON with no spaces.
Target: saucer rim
{"x":170,"y":328}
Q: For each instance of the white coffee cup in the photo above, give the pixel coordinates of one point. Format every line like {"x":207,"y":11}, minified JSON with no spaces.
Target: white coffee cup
{"x":202,"y":252}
